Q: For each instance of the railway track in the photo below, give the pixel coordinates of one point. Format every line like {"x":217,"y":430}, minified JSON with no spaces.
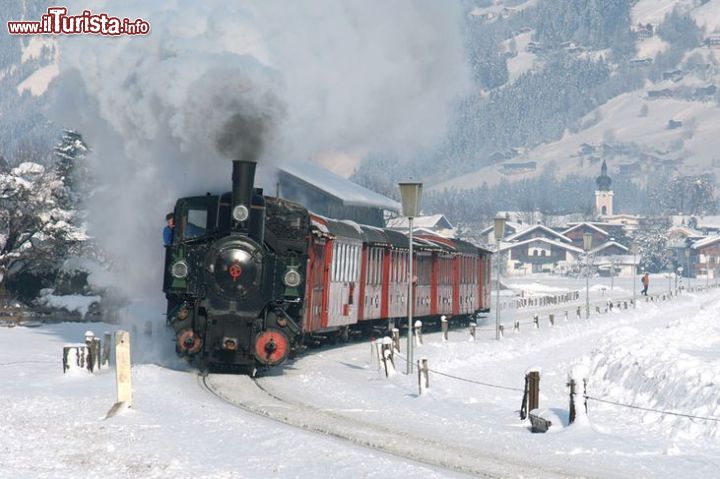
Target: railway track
{"x":251,"y":396}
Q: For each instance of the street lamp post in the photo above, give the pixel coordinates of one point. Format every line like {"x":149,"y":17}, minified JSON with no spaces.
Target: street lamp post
{"x":612,"y":270}
{"x":587,"y":245}
{"x":680,"y":270}
{"x":634,"y":248}
{"x":499,"y":230}
{"x":410,"y":195}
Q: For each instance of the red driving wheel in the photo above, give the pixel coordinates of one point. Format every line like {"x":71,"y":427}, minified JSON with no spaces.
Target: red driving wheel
{"x":271,"y":347}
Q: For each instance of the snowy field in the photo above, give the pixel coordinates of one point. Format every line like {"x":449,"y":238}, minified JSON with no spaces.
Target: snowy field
{"x":663,"y":356}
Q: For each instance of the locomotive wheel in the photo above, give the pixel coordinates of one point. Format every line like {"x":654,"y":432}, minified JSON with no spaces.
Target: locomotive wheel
{"x":271,"y":347}
{"x":188,"y":342}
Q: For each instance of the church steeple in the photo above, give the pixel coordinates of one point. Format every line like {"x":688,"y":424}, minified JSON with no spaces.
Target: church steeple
{"x":603,"y":181}
{"x":604,"y":193}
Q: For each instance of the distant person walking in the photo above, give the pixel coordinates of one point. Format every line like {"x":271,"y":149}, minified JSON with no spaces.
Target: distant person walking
{"x":645,"y":282}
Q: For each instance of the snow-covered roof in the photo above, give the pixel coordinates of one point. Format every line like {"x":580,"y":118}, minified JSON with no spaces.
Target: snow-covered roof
{"x":708,"y":241}
{"x":685,"y":231}
{"x":351,"y":194}
{"x":708,"y":222}
{"x":543,"y":240}
{"x":429,"y":222}
{"x":589,"y":225}
{"x":445,"y":233}
{"x":548,"y":231}
{"x":516,"y":227}
{"x":607,"y":245}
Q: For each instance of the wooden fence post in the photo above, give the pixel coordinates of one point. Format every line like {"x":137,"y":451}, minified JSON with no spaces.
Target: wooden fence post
{"x":378,"y":352}
{"x":387,"y":356}
{"x":473,"y":326}
{"x":396,"y":339}
{"x":107,"y":344}
{"x":418,"y":333}
{"x":571,"y":385}
{"x":534,"y":393}
{"x":122,"y":373}
{"x":93,"y":345}
{"x":575,"y":407}
{"x":423,"y":376}
{"x":76,"y":357}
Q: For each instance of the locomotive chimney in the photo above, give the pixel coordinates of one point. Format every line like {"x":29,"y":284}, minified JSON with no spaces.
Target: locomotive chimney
{"x":243,"y":178}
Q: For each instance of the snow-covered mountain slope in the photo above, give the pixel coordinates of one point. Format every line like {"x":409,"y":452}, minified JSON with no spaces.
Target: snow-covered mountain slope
{"x":668,"y":124}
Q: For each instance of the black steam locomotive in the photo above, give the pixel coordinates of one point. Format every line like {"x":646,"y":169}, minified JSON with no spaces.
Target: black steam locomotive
{"x":234,"y":273}
{"x":249,"y":278}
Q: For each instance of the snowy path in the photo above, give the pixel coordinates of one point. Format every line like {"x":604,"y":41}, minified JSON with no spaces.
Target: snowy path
{"x":387,"y":438}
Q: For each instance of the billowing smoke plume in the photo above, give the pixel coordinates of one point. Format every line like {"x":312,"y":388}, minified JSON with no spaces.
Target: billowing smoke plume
{"x":266,"y":80}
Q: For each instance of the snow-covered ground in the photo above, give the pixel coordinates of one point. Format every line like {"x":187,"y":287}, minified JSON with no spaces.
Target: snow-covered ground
{"x":661,"y":355}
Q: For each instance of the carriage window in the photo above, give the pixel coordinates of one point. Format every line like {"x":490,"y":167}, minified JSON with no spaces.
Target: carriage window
{"x":356,"y":262}
{"x":338,"y":261}
{"x":343,"y":264}
{"x":349,"y":266}
{"x":348,"y":263}
{"x":379,"y":267}
{"x":333,"y":265}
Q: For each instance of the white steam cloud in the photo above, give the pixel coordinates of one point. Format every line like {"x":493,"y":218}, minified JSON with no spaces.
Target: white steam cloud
{"x":271,"y":80}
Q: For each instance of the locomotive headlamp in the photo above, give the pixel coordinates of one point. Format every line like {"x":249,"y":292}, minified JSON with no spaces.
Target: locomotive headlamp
{"x":292,"y":278}
{"x":179,"y":269}
{"x":240,"y":213}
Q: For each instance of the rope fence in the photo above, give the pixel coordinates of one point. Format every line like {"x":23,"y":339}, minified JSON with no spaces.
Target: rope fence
{"x":531,"y":389}
{"x":659,"y":411}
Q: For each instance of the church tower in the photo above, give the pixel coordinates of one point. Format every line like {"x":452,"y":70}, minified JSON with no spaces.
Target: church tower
{"x":603,"y":193}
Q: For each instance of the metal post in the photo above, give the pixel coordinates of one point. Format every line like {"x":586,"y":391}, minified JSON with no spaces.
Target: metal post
{"x":587,"y":285}
{"x":411,"y":302}
{"x":497,"y":293}
{"x":634,"y":275}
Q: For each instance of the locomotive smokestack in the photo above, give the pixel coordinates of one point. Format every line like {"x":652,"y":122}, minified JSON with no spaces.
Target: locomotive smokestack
{"x":243,"y":179}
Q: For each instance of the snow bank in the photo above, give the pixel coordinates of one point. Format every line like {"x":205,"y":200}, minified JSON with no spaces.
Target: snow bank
{"x":674,"y":369}
{"x":537,"y":287}
{"x":70,"y":303}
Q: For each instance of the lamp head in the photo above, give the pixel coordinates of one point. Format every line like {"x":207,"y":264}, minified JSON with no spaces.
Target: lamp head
{"x":410,"y":196}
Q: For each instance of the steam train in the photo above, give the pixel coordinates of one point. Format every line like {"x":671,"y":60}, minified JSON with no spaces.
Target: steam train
{"x":251,"y":279}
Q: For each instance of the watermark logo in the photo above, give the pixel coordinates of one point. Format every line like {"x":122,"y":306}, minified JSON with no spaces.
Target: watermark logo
{"x":57,"y":22}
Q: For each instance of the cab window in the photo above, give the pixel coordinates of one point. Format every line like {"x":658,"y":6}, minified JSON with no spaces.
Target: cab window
{"x":196,"y":223}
